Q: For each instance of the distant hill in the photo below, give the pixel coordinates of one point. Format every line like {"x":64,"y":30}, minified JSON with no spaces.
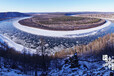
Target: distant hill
{"x":77,"y":13}
{"x":68,"y":13}
{"x":8,"y":15}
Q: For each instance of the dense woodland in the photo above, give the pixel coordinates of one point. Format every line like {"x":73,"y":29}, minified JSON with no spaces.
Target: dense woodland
{"x":102,"y":45}
{"x":32,"y":63}
{"x":24,"y":62}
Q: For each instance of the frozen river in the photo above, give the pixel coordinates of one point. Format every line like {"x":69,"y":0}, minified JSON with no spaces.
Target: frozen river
{"x":8,"y":30}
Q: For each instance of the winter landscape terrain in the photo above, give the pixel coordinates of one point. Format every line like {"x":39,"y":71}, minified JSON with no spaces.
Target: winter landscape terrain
{"x":56,"y":38}
{"x":71,"y":58}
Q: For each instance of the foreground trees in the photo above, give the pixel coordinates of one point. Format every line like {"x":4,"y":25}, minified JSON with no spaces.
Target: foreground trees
{"x":24,"y":62}
{"x":35,"y":62}
{"x":104,"y":45}
{"x":73,"y":61}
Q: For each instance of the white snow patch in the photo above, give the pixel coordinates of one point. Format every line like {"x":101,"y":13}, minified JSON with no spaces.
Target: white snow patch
{"x":19,"y":47}
{"x":93,"y":68}
{"x":14,"y":45}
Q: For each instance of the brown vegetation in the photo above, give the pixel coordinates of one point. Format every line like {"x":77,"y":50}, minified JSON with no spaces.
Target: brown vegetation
{"x":60,"y":22}
{"x":97,"y":15}
{"x":101,"y":16}
{"x":103,"y":45}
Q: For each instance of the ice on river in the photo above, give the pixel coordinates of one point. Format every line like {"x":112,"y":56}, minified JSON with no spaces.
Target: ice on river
{"x":52,"y":33}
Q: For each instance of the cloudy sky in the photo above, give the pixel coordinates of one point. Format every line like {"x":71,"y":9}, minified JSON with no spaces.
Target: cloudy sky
{"x":56,"y":5}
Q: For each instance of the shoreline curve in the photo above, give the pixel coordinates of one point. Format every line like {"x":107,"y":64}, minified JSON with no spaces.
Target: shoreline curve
{"x":52,"y":33}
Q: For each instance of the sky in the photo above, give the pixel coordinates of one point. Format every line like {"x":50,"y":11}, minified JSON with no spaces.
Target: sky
{"x":56,"y":5}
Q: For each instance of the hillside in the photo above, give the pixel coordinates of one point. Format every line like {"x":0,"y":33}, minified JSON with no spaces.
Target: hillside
{"x":99,"y":47}
{"x":13,"y":62}
{"x":8,"y":15}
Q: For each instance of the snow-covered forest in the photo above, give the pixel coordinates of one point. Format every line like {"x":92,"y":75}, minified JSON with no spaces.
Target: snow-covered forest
{"x":70,"y":61}
{"x":24,"y":50}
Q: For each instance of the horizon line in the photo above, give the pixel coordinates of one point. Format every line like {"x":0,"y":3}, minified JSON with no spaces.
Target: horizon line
{"x":58,"y":11}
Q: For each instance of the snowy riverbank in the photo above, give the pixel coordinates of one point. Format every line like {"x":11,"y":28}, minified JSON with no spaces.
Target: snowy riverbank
{"x":14,"y":45}
{"x":43,"y":32}
{"x":51,"y":33}
{"x":19,"y":47}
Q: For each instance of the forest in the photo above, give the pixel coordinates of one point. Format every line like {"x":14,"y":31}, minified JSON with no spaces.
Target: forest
{"x":33,"y":63}
{"x":102,"y":45}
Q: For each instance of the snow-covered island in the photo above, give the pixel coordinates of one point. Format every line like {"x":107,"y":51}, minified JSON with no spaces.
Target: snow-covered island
{"x":90,"y":29}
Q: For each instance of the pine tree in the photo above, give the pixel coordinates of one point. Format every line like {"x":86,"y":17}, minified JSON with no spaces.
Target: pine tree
{"x":74,"y":61}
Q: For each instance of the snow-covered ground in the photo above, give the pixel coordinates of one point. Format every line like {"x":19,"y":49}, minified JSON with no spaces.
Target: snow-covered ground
{"x":11,"y":72}
{"x":94,"y":69}
{"x":86,"y":68}
{"x":36,"y":31}
{"x":19,"y":47}
{"x":8,"y":71}
{"x":51,"y":33}
{"x":14,"y":45}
